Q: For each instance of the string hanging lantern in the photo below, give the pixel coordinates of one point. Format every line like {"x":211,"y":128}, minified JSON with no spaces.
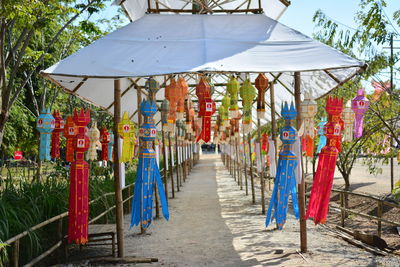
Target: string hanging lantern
{"x":45,"y":124}
{"x":323,"y":179}
{"x":126,"y":131}
{"x":164,"y":114}
{"x":172,"y":94}
{"x":70,"y":130}
{"x":206,"y":109}
{"x":261,"y":85}
{"x":247,"y":93}
{"x":105,"y":139}
{"x":78,"y":212}
{"x":348,"y":118}
{"x":148,"y":174}
{"x":55,"y":135}
{"x":94,"y":137}
{"x":110,"y":146}
{"x":233,"y":87}
{"x":308,"y":110}
{"x":226,"y":102}
{"x":183,"y":90}
{"x":285,"y":181}
{"x":189,"y":113}
{"x":360,"y":105}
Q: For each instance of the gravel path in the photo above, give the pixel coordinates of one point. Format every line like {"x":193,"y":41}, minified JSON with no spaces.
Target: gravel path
{"x":213,"y":223}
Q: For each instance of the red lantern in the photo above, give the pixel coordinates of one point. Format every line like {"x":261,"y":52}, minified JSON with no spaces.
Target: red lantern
{"x":206,"y":110}
{"x":55,"y":135}
{"x":70,"y":130}
{"x":78,"y":212}
{"x":104,"y":140}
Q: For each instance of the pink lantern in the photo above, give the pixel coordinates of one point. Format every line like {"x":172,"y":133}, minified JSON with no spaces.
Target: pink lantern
{"x":360,"y":105}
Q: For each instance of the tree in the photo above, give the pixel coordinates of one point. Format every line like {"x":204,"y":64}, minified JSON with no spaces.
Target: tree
{"x":374,"y":29}
{"x":33,"y":35}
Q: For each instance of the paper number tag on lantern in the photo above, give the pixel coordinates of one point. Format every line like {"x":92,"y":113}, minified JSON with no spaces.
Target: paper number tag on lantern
{"x":81,"y":143}
{"x":209,"y":107}
{"x":285,"y":135}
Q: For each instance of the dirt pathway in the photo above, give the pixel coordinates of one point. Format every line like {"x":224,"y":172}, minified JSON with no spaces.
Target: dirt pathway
{"x":213,"y":223}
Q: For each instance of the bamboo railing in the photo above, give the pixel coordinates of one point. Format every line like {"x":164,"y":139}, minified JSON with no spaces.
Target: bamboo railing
{"x":14,"y":242}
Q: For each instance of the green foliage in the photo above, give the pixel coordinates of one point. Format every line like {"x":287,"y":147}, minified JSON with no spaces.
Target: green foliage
{"x":3,"y":254}
{"x":374,"y":29}
{"x":396,"y":191}
{"x":28,"y":203}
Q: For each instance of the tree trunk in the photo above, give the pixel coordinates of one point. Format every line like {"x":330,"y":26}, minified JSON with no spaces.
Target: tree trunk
{"x":4,"y":115}
{"x":346,"y":178}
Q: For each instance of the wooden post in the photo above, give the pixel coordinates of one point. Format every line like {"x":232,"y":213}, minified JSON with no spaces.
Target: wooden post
{"x":273,"y":117}
{"x":379,"y":215}
{"x":171,"y":170}
{"x":262,"y":169}
{"x":342,"y":214}
{"x":245,"y":164}
{"x":177,"y":165}
{"x":253,"y":194}
{"x":164,"y":147}
{"x":117,"y":182}
{"x":15,"y":254}
{"x":300,"y":188}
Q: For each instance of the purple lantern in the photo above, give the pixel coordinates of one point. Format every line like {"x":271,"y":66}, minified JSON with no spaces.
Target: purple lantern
{"x":360,"y":105}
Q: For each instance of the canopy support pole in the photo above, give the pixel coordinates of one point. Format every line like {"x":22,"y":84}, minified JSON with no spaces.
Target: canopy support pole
{"x":171,"y":164}
{"x":301,"y":186}
{"x":164,"y":148}
{"x":117,"y":182}
{"x":262,"y":168}
{"x":253,"y":194}
{"x":245,"y":162}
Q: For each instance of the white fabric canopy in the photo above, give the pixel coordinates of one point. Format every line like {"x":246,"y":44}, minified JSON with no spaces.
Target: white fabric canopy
{"x":137,"y":8}
{"x":170,"y":44}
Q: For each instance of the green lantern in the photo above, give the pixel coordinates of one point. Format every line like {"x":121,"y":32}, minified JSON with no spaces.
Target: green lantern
{"x":233,"y":89}
{"x":247,"y":93}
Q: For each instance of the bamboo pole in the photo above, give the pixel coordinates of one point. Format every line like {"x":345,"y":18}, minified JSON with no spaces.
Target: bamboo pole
{"x":139,"y":101}
{"x":262,"y":169}
{"x":117,"y":182}
{"x":253,"y":194}
{"x":164,"y":147}
{"x":273,"y":117}
{"x":245,"y":163}
{"x":171,"y":170}
{"x":301,"y":186}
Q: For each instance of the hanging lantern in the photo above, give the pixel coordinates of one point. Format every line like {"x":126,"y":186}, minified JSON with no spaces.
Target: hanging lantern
{"x":206,"y":110}
{"x":285,"y":181}
{"x":189,"y":114}
{"x":55,"y":135}
{"x":110,"y":146}
{"x":148,"y":174}
{"x":152,"y":87}
{"x":183,"y":90}
{"x":247,"y":93}
{"x":226,"y":102}
{"x":94,"y":137}
{"x":360,"y":105}
{"x":126,"y":131}
{"x":45,"y":125}
{"x":78,"y":212}
{"x":261,"y":85}
{"x":104,"y":140}
{"x":237,"y":124}
{"x":165,"y":114}
{"x":70,"y":130}
{"x":171,"y":93}
{"x":348,"y":118}
{"x":233,"y":89}
{"x":308,"y":110}
{"x":323,"y":179}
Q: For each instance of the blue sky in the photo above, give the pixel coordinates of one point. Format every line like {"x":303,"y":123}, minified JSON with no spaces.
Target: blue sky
{"x":300,"y":13}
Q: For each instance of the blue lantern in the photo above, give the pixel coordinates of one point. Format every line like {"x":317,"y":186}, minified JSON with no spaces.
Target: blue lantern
{"x":45,"y":124}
